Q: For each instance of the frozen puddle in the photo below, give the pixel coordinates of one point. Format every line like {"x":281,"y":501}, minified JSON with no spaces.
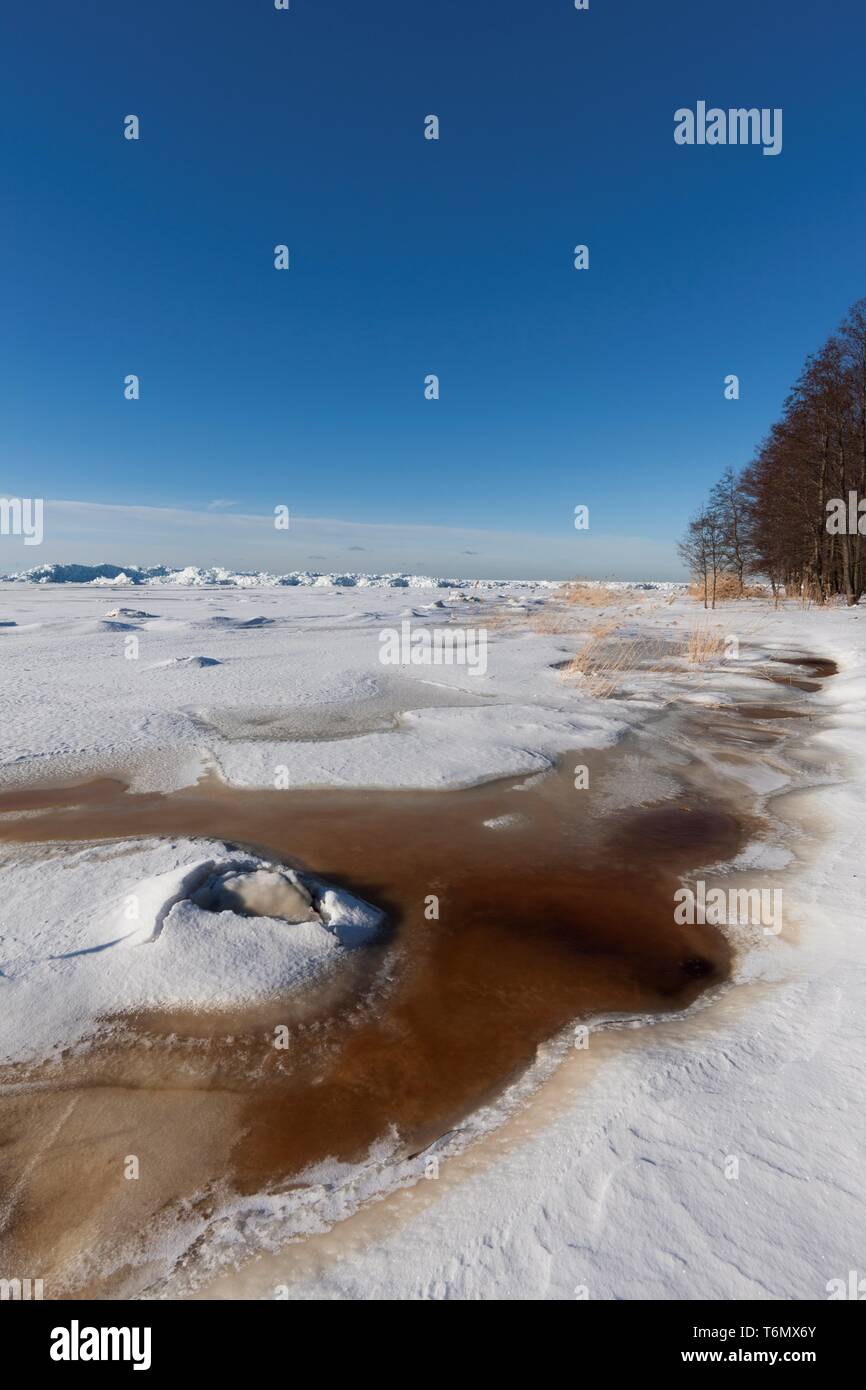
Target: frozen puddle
{"x":377,"y":706}
{"x":265,"y":1097}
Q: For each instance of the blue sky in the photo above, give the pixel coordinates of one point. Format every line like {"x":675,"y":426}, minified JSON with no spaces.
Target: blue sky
{"x":409,"y":256}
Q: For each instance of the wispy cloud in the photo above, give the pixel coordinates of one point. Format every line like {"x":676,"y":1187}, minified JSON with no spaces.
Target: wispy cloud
{"x":128,"y":534}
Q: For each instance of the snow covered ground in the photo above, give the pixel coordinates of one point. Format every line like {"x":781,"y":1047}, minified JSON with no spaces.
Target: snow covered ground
{"x":718,"y":1156}
{"x":616,"y":1180}
{"x":172,"y":681}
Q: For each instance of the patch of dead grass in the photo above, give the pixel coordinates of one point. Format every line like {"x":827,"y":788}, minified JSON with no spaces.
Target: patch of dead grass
{"x":586,"y":595}
{"x":603,"y":661}
{"x":703,"y":643}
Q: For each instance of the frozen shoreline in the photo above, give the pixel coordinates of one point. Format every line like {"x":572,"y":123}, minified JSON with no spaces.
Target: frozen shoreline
{"x":75,"y":705}
{"x":618,"y":1184}
{"x":621,"y":1190}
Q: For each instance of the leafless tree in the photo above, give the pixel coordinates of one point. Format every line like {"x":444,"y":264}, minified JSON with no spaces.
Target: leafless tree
{"x":772,"y":519}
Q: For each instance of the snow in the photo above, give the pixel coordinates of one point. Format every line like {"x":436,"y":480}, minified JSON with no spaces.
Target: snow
{"x":97,"y":932}
{"x":215,"y":576}
{"x":192,"y":680}
{"x":258,"y":892}
{"x":599,"y":1173}
{"x":717,"y":1156}
{"x":502,"y":822}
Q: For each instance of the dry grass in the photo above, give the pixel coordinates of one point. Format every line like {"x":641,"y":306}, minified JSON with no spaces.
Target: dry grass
{"x":809,"y":595}
{"x":601,"y":663}
{"x":591,"y":595}
{"x":611,"y":652}
{"x":607,"y":657}
{"x":600,"y":618}
{"x":728,"y":587}
{"x":553,"y":620}
{"x":568,"y":609}
{"x":503,"y":619}
{"x":704,"y":643}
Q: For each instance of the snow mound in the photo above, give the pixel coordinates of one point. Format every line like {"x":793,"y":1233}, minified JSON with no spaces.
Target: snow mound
{"x":175,"y":662}
{"x":110,"y":583}
{"x":130,"y":613}
{"x":91,"y":935}
{"x":237,"y":890}
{"x":223,"y":621}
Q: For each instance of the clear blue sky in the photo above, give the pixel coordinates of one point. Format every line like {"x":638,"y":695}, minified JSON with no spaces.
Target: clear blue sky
{"x":409,"y":257}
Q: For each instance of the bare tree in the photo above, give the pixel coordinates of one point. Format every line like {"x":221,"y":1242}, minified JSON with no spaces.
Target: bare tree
{"x":729,"y":504}
{"x":701,"y":550}
{"x":773,"y":518}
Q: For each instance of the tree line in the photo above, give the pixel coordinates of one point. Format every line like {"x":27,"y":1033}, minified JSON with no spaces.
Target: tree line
{"x":796,"y":515}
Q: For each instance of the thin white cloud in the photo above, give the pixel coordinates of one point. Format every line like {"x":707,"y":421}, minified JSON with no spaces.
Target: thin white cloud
{"x":124,"y":533}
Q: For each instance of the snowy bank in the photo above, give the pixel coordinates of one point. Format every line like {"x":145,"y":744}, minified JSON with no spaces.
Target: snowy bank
{"x":273,"y":686}
{"x":718,"y":1156}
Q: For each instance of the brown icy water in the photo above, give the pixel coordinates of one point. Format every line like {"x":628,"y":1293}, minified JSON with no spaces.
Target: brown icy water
{"x":562,"y":913}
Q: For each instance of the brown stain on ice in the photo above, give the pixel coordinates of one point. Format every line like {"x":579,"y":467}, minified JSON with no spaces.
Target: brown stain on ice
{"x":562,"y":916}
